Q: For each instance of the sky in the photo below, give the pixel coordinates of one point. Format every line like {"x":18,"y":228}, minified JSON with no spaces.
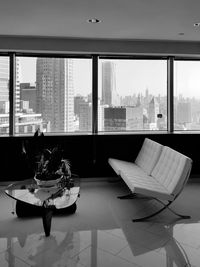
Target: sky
{"x":132,"y":76}
{"x":187,"y":78}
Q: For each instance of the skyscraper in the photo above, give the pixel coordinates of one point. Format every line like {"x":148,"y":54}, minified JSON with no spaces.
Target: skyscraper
{"x":123,"y":118}
{"x":109,"y":93}
{"x":28,"y":93}
{"x":4,"y":84}
{"x":85,"y":122}
{"x":153,"y":110}
{"x":17,"y":85}
{"x":55,"y":93}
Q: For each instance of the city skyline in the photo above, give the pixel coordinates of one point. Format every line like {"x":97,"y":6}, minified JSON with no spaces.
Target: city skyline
{"x":129,"y":80}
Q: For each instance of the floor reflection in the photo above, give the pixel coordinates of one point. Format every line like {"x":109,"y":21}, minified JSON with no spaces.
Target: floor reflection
{"x":37,"y":250}
{"x":141,"y":244}
{"x":157,"y":237}
{"x":102,"y":234}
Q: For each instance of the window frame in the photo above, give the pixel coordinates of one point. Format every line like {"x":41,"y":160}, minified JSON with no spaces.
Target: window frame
{"x":6,"y":54}
{"x":185,"y":59}
{"x":45,"y":55}
{"x":95,"y":60}
{"x":168,"y":92}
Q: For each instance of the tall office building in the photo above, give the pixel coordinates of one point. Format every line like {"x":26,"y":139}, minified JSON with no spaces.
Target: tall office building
{"x":4,"y":84}
{"x":101,"y":116}
{"x":78,"y":101}
{"x":23,"y":123}
{"x":123,"y":118}
{"x":17,"y":85}
{"x":115,"y":118}
{"x":85,"y":121}
{"x":55,"y":93}
{"x":109,"y":93}
{"x":153,"y":110}
{"x":28,"y":93}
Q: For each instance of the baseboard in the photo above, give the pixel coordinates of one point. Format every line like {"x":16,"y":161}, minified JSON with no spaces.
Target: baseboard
{"x":85,"y":179}
{"x":192,"y":179}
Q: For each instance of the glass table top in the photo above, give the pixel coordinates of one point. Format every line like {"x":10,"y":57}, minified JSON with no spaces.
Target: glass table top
{"x":29,"y":192}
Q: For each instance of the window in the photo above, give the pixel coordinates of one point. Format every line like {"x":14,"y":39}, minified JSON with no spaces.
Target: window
{"x":53,"y":94}
{"x":132,"y":95}
{"x":186,"y":95}
{"x":4,"y":95}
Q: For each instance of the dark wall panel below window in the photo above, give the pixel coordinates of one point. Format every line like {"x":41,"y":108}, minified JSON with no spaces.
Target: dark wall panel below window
{"x":89,"y":154}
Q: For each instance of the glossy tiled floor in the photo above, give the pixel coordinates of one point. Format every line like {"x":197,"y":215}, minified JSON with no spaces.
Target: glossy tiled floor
{"x":101,"y":233}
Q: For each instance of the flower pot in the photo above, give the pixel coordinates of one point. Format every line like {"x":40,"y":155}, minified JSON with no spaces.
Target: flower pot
{"x":48,"y":183}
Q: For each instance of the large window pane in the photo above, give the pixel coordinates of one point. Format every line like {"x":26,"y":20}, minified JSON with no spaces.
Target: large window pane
{"x":4,"y":95}
{"x":53,"y":94}
{"x":187,"y":95}
{"x":132,"y":95}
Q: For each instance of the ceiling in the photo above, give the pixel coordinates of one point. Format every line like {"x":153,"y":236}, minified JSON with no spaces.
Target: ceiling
{"x":120,"y":19}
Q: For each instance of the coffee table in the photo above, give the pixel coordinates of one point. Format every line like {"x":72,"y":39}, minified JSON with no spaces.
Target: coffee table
{"x":43,"y":200}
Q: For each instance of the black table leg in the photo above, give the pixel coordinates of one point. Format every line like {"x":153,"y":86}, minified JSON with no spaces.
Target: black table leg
{"x":46,"y":218}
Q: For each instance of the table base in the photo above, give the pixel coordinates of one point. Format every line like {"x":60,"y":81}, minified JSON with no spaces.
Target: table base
{"x":28,"y":210}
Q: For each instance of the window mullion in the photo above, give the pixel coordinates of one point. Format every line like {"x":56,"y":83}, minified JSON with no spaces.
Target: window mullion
{"x":170,"y":94}
{"x":95,"y":94}
{"x":12,"y":94}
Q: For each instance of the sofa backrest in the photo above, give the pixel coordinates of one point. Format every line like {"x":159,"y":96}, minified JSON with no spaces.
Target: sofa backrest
{"x":148,"y":155}
{"x":172,"y":170}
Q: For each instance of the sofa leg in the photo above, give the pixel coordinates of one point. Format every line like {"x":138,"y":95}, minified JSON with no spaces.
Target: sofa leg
{"x":180,"y":215}
{"x":177,"y":214}
{"x":128,"y":196}
{"x":159,"y":211}
{"x":134,"y":195}
{"x":149,"y":216}
{"x":115,"y":180}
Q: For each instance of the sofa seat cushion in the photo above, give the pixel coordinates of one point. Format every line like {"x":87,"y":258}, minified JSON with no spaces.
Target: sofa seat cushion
{"x":172,"y":169}
{"x":148,"y":155}
{"x":120,"y":165}
{"x":146,"y":185}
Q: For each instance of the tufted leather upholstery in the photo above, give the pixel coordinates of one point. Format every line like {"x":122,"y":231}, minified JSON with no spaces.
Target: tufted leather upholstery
{"x":158,"y":171}
{"x":145,"y":185}
{"x":171,"y":169}
{"x":120,"y":166}
{"x":145,"y":161}
{"x":148,"y":155}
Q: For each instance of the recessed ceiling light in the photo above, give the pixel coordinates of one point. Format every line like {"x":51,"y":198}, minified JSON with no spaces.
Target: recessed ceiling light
{"x":93,"y":20}
{"x":197,"y":24}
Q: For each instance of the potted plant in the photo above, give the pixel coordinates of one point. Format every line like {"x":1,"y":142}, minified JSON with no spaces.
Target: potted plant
{"x":51,"y":168}
{"x":48,"y":165}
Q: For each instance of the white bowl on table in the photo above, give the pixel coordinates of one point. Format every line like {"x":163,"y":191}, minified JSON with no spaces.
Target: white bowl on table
{"x":47,"y":183}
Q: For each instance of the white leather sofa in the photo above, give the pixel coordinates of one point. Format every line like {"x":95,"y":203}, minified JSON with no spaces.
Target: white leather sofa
{"x":158,"y":172}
